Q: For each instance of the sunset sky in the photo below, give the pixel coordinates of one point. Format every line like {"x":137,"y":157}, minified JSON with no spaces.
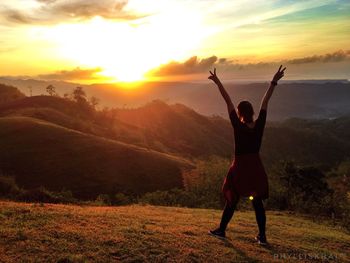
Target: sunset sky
{"x":109,"y":40}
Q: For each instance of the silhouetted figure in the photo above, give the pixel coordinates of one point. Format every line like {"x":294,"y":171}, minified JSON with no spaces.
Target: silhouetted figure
{"x":246,"y":176}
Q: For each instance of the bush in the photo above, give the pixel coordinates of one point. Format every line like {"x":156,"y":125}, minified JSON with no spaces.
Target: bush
{"x":209,"y":176}
{"x":307,"y":190}
{"x":121,"y":199}
{"x":43,"y":195}
{"x":103,"y":199}
{"x":8,"y":187}
{"x":65,"y":196}
{"x":40,"y":195}
{"x":339,"y":179}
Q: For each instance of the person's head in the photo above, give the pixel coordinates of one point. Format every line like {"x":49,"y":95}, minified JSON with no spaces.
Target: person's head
{"x":245,"y":111}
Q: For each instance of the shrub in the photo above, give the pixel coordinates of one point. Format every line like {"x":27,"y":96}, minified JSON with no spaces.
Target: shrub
{"x":43,"y":195}
{"x":103,"y":199}
{"x":37,"y":195}
{"x":307,"y":190}
{"x":121,"y":199}
{"x":64,"y":196}
{"x":8,"y":187}
{"x":209,"y":177}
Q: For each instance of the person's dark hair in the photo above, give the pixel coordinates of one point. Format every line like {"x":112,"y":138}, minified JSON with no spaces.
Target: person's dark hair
{"x":245,"y":111}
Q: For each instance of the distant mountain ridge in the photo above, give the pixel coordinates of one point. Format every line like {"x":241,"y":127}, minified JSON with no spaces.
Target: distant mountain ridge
{"x":302,"y":99}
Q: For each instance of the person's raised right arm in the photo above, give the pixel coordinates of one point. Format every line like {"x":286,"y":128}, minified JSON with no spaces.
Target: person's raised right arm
{"x":222,"y":90}
{"x":265,"y":101}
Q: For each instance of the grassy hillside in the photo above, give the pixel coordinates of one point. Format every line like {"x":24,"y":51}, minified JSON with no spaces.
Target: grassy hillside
{"x":179,"y":129}
{"x":69,"y":114}
{"x":174,"y":129}
{"x":9,"y":94}
{"x":40,"y":153}
{"x":49,"y":233}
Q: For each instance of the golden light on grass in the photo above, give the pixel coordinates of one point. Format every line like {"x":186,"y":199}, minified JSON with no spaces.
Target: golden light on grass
{"x":157,"y":233}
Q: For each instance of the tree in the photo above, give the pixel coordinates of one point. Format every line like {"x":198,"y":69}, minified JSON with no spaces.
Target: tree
{"x":67,"y":96}
{"x":307,"y":189}
{"x":79,"y":95}
{"x":94,"y":102}
{"x":339,"y":180}
{"x":51,"y":90}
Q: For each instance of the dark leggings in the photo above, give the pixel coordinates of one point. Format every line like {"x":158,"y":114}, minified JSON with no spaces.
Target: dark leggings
{"x":259,"y":214}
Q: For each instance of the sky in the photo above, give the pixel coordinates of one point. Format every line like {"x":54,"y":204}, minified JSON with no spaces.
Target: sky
{"x":140,"y":40}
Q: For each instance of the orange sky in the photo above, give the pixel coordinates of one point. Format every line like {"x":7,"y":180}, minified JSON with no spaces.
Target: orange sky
{"x":112,"y":40}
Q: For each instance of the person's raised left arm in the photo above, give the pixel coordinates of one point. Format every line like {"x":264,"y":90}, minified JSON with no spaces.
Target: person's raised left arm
{"x":265,"y":101}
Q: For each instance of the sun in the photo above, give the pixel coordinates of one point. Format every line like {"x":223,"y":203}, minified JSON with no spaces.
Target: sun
{"x":126,"y":51}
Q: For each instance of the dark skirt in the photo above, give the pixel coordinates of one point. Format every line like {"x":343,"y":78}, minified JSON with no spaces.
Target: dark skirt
{"x":246,"y":177}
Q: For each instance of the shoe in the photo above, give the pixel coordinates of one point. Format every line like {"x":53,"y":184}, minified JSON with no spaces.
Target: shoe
{"x":217,"y":233}
{"x":261,"y":240}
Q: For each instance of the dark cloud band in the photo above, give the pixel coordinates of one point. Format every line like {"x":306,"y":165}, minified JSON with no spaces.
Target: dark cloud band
{"x":75,"y":74}
{"x":190,"y":66}
{"x":337,"y":56}
{"x":195,"y":65}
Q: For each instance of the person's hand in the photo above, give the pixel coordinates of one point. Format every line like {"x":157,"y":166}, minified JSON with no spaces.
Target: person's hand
{"x":213,"y":76}
{"x":279,"y":74}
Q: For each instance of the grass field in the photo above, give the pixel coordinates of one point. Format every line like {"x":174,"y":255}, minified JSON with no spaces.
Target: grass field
{"x":70,"y":233}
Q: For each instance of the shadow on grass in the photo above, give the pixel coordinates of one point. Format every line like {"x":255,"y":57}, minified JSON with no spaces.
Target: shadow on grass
{"x":242,"y":256}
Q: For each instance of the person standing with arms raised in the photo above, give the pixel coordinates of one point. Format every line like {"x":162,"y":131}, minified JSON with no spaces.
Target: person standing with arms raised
{"x":246,"y":176}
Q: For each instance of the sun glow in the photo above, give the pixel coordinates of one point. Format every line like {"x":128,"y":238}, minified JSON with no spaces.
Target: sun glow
{"x":126,"y":51}
{"x":131,"y":40}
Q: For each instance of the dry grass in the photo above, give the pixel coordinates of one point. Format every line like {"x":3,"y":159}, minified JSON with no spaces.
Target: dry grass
{"x":67,"y":233}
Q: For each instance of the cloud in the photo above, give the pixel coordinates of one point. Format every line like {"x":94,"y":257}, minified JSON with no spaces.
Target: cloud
{"x":194,"y":65}
{"x":75,"y":74}
{"x":336,"y":56}
{"x":191,"y":66}
{"x":56,"y":11}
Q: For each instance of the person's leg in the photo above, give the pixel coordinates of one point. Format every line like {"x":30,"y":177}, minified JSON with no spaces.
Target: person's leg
{"x":225,"y":219}
{"x":227,"y":214}
{"x":260,"y":215}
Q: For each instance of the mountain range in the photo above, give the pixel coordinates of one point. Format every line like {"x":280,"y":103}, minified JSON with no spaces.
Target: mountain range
{"x":302,"y":99}
{"x":60,"y":144}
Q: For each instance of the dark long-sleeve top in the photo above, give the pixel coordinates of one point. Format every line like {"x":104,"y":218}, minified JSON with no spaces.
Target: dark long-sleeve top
{"x":248,"y":140}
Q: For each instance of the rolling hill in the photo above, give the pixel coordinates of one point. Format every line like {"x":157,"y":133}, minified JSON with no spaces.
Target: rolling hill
{"x":39,"y":153}
{"x":9,"y":94}
{"x":178,"y":130}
